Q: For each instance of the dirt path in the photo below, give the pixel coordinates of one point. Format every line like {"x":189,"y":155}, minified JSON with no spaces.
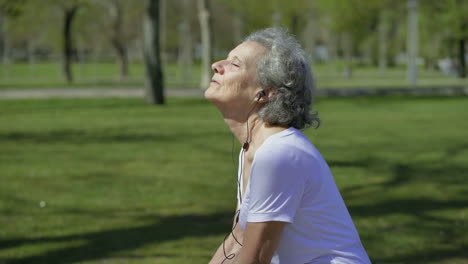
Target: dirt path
{"x":17,"y":93}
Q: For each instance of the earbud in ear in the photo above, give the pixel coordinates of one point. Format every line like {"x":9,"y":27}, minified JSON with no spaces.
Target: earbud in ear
{"x":261,"y":94}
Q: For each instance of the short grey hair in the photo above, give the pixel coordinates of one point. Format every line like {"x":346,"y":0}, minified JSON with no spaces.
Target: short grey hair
{"x":285,"y":68}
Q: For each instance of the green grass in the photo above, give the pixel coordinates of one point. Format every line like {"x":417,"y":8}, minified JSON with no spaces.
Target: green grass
{"x":45,"y":75}
{"x":126,"y":182}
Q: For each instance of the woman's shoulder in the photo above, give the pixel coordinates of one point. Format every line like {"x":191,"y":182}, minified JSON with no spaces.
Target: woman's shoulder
{"x":291,"y":139}
{"x":286,"y":147}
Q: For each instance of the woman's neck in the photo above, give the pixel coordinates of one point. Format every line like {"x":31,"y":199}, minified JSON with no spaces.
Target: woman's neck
{"x":244,"y":131}
{"x":255,"y":133}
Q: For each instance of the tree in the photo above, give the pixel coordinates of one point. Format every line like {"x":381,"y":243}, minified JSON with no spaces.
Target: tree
{"x":154,"y":76}
{"x":163,"y":30}
{"x":205,"y":29}
{"x":69,"y":12}
{"x":185,"y":52}
{"x":310,"y":34}
{"x":247,"y":16}
{"x":450,"y":28}
{"x":412,"y":38}
{"x":238,"y":27}
{"x":8,"y":9}
{"x":351,"y":20}
{"x":110,"y":25}
{"x":23,"y":26}
{"x":117,"y":36}
{"x":3,"y":37}
{"x":44,"y":23}
{"x":69,"y":9}
{"x":389,"y":27}
{"x":383,"y":34}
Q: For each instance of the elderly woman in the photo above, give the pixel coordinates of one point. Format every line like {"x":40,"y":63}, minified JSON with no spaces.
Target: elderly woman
{"x":289,"y":208}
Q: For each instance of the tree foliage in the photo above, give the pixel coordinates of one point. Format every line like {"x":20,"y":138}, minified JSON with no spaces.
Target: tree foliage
{"x":37,"y":25}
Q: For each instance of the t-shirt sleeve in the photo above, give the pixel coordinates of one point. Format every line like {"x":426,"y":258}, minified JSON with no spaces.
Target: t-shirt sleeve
{"x":276,"y":186}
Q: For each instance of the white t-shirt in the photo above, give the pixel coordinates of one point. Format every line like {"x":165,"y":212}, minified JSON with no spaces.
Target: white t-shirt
{"x":291,"y":182}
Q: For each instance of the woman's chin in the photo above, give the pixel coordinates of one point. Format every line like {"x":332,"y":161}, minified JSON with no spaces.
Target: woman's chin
{"x":210,"y":93}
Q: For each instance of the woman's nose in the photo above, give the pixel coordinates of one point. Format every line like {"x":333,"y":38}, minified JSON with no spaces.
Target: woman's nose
{"x":217,"y":67}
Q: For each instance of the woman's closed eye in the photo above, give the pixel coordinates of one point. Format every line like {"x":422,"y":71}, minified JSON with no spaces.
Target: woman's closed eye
{"x":234,"y":61}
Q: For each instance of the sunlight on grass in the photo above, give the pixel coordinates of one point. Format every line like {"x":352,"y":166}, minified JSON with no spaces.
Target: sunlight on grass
{"x":92,"y":75}
{"x":127,"y":182}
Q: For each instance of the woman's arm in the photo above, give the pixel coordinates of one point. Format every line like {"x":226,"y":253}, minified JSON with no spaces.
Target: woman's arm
{"x":231,"y":246}
{"x":260,"y":242}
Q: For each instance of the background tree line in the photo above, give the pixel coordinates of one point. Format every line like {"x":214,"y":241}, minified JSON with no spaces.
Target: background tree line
{"x":366,"y":32}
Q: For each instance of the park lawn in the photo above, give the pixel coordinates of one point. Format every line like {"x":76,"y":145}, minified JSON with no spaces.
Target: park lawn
{"x":105,"y":75}
{"x":120,"y":181}
{"x":89,"y":75}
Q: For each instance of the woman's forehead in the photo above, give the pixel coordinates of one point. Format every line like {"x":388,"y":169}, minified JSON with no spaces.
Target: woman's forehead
{"x":247,"y":51}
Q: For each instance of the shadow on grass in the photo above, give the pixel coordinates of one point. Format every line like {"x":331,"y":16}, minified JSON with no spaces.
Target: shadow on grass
{"x":64,"y":106}
{"x":442,"y":234}
{"x":104,"y":244}
{"x":109,"y":136}
{"x":446,"y":255}
{"x":104,"y":136}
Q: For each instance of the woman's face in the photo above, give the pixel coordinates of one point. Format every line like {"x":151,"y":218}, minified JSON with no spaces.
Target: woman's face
{"x":234,"y":84}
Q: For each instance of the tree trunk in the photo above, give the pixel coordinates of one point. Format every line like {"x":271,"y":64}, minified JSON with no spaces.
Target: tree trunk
{"x":310,"y":35}
{"x":2,"y":38}
{"x":461,"y":57}
{"x":31,"y":58}
{"x":122,"y":58}
{"x":276,"y":19}
{"x":69,"y":15}
{"x":5,"y":48}
{"x":117,"y":38}
{"x":412,"y":42}
{"x":205,"y":29}
{"x":185,"y":56}
{"x":462,"y":43}
{"x":163,"y":30}
{"x":154,"y":76}
{"x":383,"y":40}
{"x":295,"y":24}
{"x":367,"y":51}
{"x":238,"y":28}
{"x":333,"y":46}
{"x":348,"y":54}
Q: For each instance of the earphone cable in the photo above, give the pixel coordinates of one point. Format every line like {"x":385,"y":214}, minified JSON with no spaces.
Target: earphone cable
{"x":239,"y":175}
{"x":234,"y":169}
{"x":232,"y":255}
{"x":234,"y":227}
{"x":247,"y":140}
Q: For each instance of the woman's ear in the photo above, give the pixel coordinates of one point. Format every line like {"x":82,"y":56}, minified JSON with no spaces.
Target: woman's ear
{"x":261,"y":97}
{"x":264,"y":95}
{"x":261,"y":94}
